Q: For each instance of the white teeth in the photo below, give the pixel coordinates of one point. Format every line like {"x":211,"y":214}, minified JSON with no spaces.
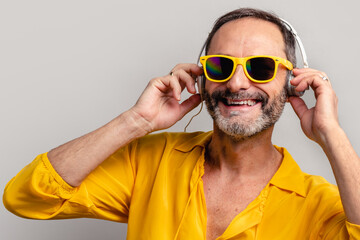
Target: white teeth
{"x":246,"y":102}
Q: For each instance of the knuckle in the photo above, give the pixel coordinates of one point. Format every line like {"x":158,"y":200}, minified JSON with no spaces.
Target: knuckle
{"x":157,"y":79}
{"x":174,"y":69}
{"x":181,"y":71}
{"x":152,"y":81}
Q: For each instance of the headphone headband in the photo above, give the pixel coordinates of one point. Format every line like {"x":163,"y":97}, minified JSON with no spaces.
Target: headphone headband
{"x":298,"y":41}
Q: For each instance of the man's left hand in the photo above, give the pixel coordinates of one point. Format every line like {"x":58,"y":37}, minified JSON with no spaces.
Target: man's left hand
{"x":321,"y":119}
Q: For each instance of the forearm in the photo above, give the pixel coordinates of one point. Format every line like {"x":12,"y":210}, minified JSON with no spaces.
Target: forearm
{"x":346,"y":167}
{"x":74,"y":160}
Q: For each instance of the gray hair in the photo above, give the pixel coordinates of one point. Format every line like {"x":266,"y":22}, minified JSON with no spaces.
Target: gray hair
{"x":289,"y":39}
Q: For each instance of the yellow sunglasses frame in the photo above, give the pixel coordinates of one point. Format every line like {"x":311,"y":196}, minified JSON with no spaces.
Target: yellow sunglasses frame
{"x":242,"y":61}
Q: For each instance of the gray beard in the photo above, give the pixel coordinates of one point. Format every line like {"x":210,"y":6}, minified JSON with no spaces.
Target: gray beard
{"x":239,"y":129}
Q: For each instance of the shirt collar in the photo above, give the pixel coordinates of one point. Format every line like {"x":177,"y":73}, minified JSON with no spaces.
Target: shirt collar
{"x":288,"y":177}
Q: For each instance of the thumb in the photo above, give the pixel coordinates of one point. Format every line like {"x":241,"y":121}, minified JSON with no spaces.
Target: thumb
{"x":189,"y":104}
{"x":298,"y":105}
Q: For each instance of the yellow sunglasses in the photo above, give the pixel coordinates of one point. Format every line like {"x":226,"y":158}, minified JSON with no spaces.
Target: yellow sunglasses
{"x":259,"y":69}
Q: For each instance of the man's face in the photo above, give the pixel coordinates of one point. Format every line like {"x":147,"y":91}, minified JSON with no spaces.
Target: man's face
{"x":240,"y":107}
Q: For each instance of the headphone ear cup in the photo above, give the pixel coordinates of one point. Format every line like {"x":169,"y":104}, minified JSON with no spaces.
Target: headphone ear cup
{"x":200,"y":80}
{"x":290,"y":89}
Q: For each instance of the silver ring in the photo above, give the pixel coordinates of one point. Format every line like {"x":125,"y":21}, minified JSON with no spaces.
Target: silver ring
{"x":171,"y":73}
{"x":324,"y":78}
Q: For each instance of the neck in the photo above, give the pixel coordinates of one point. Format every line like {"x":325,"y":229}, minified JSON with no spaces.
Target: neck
{"x":250,"y":156}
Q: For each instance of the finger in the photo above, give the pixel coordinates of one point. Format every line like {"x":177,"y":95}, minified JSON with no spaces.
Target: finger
{"x":186,"y":80}
{"x":191,"y":68}
{"x":167,"y":85}
{"x":182,"y":75}
{"x":301,"y":70}
{"x":313,"y":79}
{"x":189,"y":104}
{"x":300,"y":73}
{"x":175,"y":86}
{"x":299,"y":106}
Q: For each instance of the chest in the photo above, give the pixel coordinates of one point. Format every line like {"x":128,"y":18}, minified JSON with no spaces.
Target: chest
{"x":224,"y":201}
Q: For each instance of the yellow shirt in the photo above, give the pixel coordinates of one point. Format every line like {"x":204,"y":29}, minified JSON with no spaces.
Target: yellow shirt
{"x":154,"y":184}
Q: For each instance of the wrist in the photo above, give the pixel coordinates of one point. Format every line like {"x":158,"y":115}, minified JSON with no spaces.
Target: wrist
{"x":133,"y":124}
{"x":333,"y":138}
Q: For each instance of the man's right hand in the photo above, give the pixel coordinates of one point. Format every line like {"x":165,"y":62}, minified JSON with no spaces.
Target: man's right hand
{"x":159,"y":105}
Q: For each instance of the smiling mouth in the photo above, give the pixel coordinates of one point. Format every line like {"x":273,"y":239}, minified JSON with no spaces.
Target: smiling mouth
{"x":241,"y":98}
{"x":239,"y":102}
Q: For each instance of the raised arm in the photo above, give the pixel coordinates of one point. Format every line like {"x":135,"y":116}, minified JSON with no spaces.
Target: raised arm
{"x":320,"y":124}
{"x":157,"y":108}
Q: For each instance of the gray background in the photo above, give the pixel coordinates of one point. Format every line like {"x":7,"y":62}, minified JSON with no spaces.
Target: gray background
{"x":68,"y":67}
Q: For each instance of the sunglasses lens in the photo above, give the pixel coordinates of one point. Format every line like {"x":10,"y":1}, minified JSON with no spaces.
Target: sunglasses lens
{"x":219,"y":68}
{"x":261,"y":68}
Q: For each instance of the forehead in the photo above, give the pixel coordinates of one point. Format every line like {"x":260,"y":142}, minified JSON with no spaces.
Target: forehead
{"x":246,"y":37}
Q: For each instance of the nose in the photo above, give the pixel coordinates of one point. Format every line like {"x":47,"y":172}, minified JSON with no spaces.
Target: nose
{"x":238,"y":81}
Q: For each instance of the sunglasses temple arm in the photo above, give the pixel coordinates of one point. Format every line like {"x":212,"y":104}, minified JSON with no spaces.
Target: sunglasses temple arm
{"x":299,"y":42}
{"x":201,"y":52}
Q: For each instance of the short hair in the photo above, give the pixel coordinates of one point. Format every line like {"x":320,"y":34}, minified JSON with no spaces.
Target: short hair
{"x":288,"y":37}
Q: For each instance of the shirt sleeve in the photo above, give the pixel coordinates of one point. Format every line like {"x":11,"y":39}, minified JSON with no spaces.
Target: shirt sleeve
{"x":353,"y":230}
{"x":330,"y":219}
{"x":340,"y":229}
{"x":39,"y":192}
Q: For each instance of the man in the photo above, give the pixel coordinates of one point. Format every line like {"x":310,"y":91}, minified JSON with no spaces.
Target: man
{"x":231,"y":183}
